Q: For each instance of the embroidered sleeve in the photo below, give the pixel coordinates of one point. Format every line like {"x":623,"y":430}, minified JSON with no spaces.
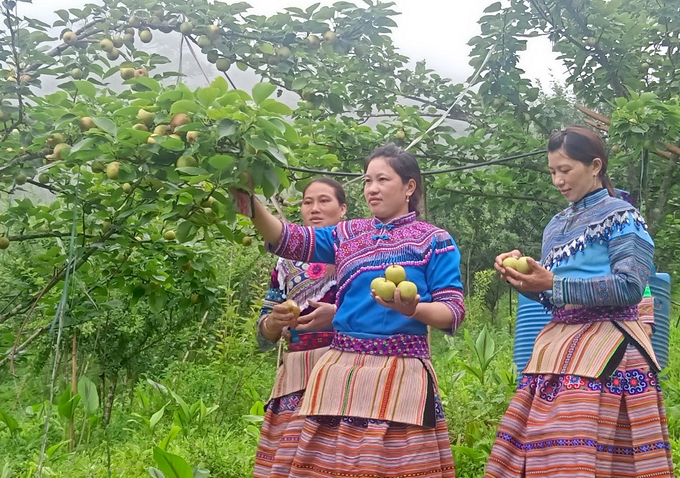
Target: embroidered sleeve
{"x":305,"y":244}
{"x":630,"y":254}
{"x":443,"y":278}
{"x":274,"y":296}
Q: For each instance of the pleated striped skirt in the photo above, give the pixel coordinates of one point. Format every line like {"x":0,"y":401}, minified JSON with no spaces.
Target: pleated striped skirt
{"x":571,"y":426}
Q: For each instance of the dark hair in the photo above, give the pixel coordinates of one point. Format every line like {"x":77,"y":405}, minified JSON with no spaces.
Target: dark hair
{"x":583,"y":145}
{"x":405,"y":165}
{"x":338,"y":190}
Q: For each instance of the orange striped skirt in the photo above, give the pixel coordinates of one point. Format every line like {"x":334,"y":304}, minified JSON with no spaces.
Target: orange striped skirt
{"x":350,"y":447}
{"x":347,"y":433}
{"x":571,"y":426}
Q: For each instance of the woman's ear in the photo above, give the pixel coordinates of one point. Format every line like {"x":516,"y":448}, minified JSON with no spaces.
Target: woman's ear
{"x":411,"y":187}
{"x":597,"y":166}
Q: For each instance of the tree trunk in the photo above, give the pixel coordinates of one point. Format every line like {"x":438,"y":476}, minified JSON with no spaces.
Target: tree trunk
{"x":110,"y":397}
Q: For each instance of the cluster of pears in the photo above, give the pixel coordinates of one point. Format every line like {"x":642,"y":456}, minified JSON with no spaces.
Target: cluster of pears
{"x":394,"y":278}
{"x":520,"y":265}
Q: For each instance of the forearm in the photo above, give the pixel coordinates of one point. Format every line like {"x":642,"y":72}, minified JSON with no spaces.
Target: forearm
{"x":268,"y":225}
{"x":437,"y":315}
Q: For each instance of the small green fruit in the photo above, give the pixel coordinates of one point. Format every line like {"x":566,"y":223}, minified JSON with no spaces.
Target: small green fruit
{"x":510,"y":263}
{"x":407,"y":290}
{"x":384,"y":289}
{"x":169,"y":235}
{"x":213,"y":31}
{"x":77,"y":73}
{"x":113,"y":54}
{"x":330,"y":37}
{"x":223,"y":64}
{"x":69,"y":38}
{"x":106,"y":44}
{"x":400,"y":134}
{"x":186,"y":162}
{"x":59,"y":150}
{"x":55,"y":139}
{"x":145,"y":36}
{"x":20,"y":179}
{"x":283,"y":52}
{"x":204,"y":41}
{"x":127,"y":73}
{"x":118,"y":42}
{"x":212,"y":56}
{"x":44,"y":178}
{"x":247,"y":241}
{"x":112,"y":170}
{"x":523,"y":265}
{"x":313,"y":42}
{"x":186,"y":28}
{"x":4,"y":242}
{"x":195,"y":298}
{"x":162,"y":129}
{"x":395,"y":273}
{"x":146,"y":117}
{"x":127,"y":188}
{"x":86,"y":123}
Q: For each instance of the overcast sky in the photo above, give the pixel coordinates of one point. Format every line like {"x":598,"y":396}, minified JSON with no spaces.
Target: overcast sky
{"x":433,"y":30}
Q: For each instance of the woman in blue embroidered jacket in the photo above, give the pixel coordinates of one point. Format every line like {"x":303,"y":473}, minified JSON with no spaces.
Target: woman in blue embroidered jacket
{"x":312,"y":287}
{"x":371,"y":407}
{"x":588,"y":403}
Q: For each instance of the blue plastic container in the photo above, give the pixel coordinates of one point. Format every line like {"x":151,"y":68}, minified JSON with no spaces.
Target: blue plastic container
{"x":660,"y":286}
{"x":531,"y":318}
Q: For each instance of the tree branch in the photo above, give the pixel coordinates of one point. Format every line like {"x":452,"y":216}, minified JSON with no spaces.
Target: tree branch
{"x":463,"y":192}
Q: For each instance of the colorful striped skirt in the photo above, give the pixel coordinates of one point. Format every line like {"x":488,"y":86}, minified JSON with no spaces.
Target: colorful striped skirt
{"x":571,"y":426}
{"x":325,"y":446}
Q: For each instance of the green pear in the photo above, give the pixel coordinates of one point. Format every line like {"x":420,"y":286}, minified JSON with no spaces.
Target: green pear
{"x":407,"y":290}
{"x":395,"y":273}
{"x":384,"y":289}
{"x":523,"y":265}
{"x":510,"y":263}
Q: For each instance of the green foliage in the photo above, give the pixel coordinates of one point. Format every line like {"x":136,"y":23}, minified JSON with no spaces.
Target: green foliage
{"x":162,"y":297}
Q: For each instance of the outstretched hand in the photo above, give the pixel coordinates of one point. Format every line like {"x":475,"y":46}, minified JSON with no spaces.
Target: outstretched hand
{"x":404,"y":307}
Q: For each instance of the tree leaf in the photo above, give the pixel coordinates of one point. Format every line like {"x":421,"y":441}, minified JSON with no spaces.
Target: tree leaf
{"x":262,"y":91}
{"x":226,"y":127}
{"x":85,"y":88}
{"x":183,"y":106}
{"x":221,"y":161}
{"x":277,"y":107}
{"x":106,"y":125}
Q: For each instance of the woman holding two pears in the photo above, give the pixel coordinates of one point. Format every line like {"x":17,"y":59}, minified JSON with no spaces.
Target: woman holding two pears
{"x":371,"y":407}
{"x":588,"y":403}
{"x":299,"y":306}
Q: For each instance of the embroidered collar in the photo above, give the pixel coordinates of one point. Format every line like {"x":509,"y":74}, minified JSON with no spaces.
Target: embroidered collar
{"x":590,"y":199}
{"x":396,"y":222}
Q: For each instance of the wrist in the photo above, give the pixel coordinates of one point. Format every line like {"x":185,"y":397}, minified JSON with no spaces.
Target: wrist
{"x":266,"y":329}
{"x":412,"y":315}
